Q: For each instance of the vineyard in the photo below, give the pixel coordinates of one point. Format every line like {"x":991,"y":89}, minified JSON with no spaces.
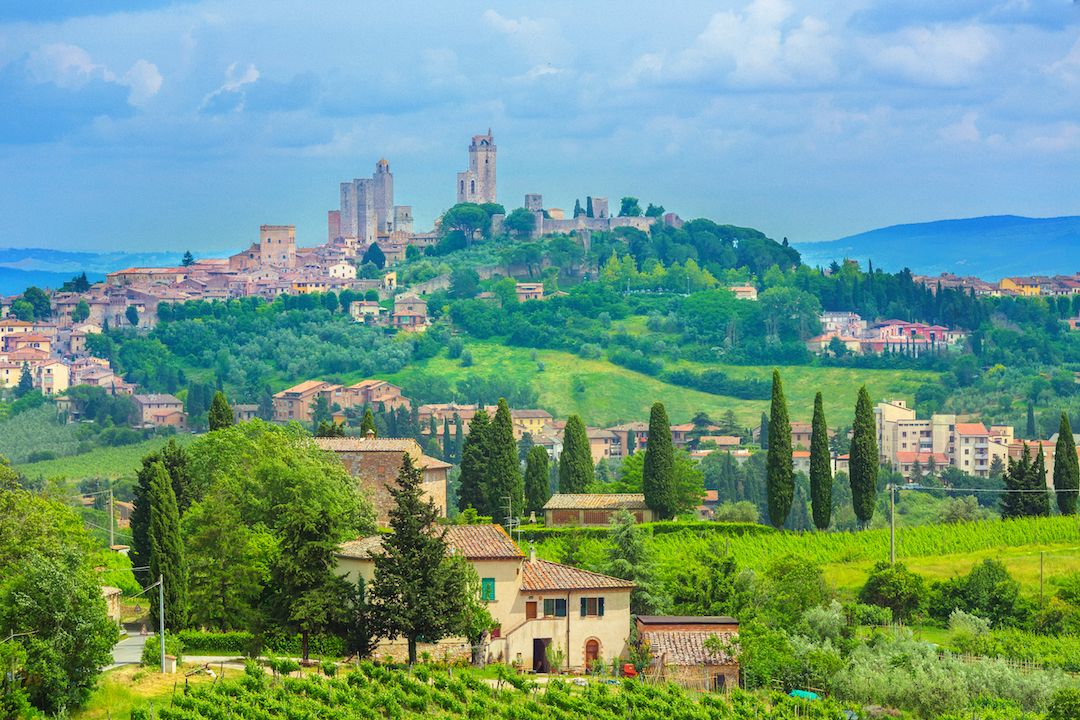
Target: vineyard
{"x":377,"y":692}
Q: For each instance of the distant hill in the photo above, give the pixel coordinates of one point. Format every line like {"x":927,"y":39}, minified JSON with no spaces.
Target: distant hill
{"x":989,"y":247}
{"x":22,"y":267}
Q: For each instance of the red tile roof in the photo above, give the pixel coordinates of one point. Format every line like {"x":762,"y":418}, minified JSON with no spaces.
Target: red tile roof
{"x":596,"y":501}
{"x":540,"y":575}
{"x":475,"y":542}
{"x":922,"y":457}
{"x":971,"y":429}
{"x":682,"y":648}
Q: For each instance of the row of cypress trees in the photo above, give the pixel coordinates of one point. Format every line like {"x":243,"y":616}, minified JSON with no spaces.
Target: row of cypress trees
{"x":779,"y":468}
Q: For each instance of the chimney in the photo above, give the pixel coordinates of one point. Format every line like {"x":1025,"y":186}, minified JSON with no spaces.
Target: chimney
{"x":532,"y":553}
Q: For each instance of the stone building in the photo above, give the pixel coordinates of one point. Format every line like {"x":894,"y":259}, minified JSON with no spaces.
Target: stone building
{"x":276,"y":248}
{"x":367,"y":210}
{"x":594,"y":508}
{"x":477,"y":184}
{"x":375,"y":463}
{"x":678,"y":649}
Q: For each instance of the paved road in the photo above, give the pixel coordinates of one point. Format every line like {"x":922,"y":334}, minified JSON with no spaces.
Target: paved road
{"x":129,"y":650}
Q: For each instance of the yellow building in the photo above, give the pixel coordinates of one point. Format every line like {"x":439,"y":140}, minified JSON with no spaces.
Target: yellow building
{"x":1020,"y":286}
{"x":536,"y":604}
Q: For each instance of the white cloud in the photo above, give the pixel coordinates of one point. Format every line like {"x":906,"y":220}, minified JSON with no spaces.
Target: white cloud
{"x":538,"y":39}
{"x":70,"y":66}
{"x":965,"y":130}
{"x":145,"y":81}
{"x":1068,"y":67}
{"x":765,"y":44}
{"x":229,"y":95}
{"x":937,"y":55}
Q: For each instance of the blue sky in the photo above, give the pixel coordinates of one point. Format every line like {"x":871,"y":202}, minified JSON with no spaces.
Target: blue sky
{"x":172,"y":125}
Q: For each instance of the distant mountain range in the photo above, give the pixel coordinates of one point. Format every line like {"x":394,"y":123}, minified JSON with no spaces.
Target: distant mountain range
{"x":988,"y":247}
{"x":22,"y":267}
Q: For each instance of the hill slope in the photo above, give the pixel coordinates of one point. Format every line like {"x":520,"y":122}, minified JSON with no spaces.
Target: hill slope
{"x":989,"y":247}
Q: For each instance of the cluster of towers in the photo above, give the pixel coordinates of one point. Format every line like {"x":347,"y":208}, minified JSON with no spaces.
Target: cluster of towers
{"x":367,"y":210}
{"x":367,"y":207}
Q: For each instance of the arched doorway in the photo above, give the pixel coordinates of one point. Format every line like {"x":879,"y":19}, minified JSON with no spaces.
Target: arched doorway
{"x":592,"y":650}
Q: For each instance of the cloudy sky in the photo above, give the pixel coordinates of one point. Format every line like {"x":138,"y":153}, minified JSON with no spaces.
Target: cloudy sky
{"x":131,"y":124}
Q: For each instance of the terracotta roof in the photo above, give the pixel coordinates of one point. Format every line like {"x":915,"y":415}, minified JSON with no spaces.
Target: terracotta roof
{"x":971,"y":429}
{"x":530,"y":413}
{"x":429,"y":463}
{"x":596,"y":501}
{"x":922,"y":457}
{"x":363,"y":444}
{"x":475,"y":542}
{"x":157,"y":399}
{"x":538,"y":575}
{"x":680,"y":647}
{"x":800,"y":454}
{"x":306,"y":386}
{"x":711,"y":496}
{"x":687,"y":620}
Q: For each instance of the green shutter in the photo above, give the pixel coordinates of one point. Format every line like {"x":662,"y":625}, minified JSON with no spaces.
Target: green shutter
{"x":584,"y":607}
{"x":487,"y":589}
{"x":600,"y":607}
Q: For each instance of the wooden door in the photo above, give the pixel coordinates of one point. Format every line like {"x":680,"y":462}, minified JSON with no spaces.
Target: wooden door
{"x":530,"y":610}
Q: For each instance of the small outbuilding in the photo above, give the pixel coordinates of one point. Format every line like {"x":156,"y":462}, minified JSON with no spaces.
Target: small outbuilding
{"x":678,"y":647}
{"x":594,"y":508}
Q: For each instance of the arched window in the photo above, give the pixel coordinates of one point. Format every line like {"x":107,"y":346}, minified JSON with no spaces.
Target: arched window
{"x":472,"y":186}
{"x":592,"y":650}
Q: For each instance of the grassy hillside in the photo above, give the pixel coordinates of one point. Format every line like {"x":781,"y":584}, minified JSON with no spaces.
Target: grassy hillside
{"x":604,"y":393}
{"x":101,"y":462}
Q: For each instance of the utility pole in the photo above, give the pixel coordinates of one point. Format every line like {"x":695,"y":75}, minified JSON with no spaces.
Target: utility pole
{"x":161,"y":618}
{"x":1042,"y":556}
{"x":112,"y":532}
{"x":892,"y":524}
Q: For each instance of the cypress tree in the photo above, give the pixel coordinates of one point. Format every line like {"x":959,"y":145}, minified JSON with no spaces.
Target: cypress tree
{"x":368,"y":422}
{"x":658,"y":471}
{"x":728,"y":480}
{"x":575,"y":463}
{"x":459,"y":437}
{"x":447,"y":442}
{"x":1030,"y":420}
{"x":474,"y":464}
{"x":779,"y":473}
{"x":588,"y":206}
{"x":166,"y":551}
{"x":537,"y":487}
{"x":503,"y":476}
{"x":863,"y":462}
{"x":763,"y":432}
{"x":220,"y":415}
{"x":820,"y":469}
{"x":1066,"y":468}
{"x":631,"y":442}
{"x":1015,"y":477}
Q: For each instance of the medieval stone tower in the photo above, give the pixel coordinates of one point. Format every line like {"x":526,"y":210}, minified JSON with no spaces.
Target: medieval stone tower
{"x":383,"y":181}
{"x":477,"y":184}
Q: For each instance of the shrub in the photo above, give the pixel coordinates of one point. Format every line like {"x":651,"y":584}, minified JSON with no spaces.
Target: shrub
{"x":151,"y":655}
{"x":1064,"y":705}
{"x":987,"y":591}
{"x":894,"y":587}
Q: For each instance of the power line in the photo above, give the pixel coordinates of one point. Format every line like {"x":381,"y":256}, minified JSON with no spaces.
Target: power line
{"x":1002,"y":491}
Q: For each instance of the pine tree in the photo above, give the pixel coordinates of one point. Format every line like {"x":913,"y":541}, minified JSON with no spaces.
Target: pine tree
{"x":1015,"y":477}
{"x":763,"y":432}
{"x":367,"y":424}
{"x":658,"y":472}
{"x":1037,"y":499}
{"x":416,"y":589}
{"x":188,"y":260}
{"x":779,"y":472}
{"x":820,"y":468}
{"x":26,"y":381}
{"x":537,"y":487}
{"x":863,"y":462}
{"x":221,"y":415}
{"x":503,"y":476}
{"x":474,"y":464}
{"x":575,"y":463}
{"x":166,"y":551}
{"x":447,"y":442}
{"x":1066,"y":468}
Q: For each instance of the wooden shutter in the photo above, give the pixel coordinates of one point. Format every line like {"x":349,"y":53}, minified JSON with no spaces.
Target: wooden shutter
{"x":530,"y":610}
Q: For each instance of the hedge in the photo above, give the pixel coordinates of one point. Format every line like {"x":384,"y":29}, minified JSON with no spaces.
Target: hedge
{"x":242,"y":643}
{"x":536,"y":533}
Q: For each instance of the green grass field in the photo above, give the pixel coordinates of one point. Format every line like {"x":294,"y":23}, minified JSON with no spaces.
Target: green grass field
{"x":614,"y":394}
{"x":110,"y":462}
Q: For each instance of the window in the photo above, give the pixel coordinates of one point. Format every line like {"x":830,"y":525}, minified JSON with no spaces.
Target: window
{"x":554,"y":607}
{"x":487,"y":589}
{"x":592,"y":607}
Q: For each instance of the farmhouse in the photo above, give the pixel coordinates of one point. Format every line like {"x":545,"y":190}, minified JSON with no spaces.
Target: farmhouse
{"x":375,"y":463}
{"x":539,"y":607}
